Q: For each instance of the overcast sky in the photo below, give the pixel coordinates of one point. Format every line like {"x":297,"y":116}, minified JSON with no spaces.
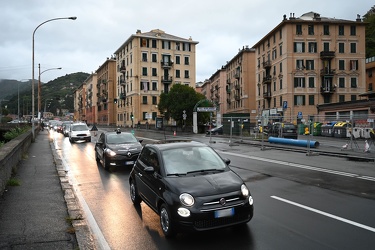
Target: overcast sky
{"x":221,"y":28}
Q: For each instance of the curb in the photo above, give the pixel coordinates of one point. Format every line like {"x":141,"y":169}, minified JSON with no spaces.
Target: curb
{"x":82,"y":231}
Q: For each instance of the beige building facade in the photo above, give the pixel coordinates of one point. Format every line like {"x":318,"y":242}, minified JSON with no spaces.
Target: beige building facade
{"x":307,"y":61}
{"x":91,"y":99}
{"x":148,"y":64}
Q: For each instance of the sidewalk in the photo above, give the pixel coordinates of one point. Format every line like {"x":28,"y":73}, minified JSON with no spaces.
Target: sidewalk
{"x":35,"y":214}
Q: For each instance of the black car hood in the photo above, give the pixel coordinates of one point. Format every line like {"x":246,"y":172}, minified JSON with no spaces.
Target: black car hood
{"x":125,"y":147}
{"x":206,"y":184}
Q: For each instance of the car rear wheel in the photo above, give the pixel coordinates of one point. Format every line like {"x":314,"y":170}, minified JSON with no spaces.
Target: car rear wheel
{"x":136,"y":199}
{"x":166,"y":222}
{"x":97,"y":157}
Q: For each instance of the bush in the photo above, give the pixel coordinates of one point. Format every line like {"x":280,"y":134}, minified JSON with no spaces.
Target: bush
{"x":14,"y":132}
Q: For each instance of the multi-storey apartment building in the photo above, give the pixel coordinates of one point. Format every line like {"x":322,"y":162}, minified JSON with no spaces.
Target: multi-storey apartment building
{"x":91,"y":99}
{"x":307,"y":61}
{"x":240,"y":82}
{"x":79,"y":103}
{"x":214,"y":89}
{"x":106,"y":93}
{"x":147,"y":65}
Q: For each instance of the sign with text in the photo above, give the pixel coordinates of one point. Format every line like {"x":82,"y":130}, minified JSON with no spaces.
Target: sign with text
{"x":206,"y":109}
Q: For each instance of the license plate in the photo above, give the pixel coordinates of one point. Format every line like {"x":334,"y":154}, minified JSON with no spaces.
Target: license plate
{"x":289,"y":131}
{"x":129,"y":162}
{"x":224,"y":213}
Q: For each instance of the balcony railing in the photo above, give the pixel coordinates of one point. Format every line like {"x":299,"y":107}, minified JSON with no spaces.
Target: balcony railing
{"x":166,"y":64}
{"x":327,"y":72}
{"x":267,"y":95}
{"x":267,"y":64}
{"x":327,"y":54}
{"x":267,"y":79}
{"x":166,"y":79}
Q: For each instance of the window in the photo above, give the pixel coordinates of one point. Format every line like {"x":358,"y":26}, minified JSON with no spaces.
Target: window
{"x":145,"y":86}
{"x":299,"y":64}
{"x":144,"y":99}
{"x":153,"y":43}
{"x":178,"y":73}
{"x":326,"y":46}
{"x":370,"y":86}
{"x":144,"y":42}
{"x":186,"y":73}
{"x":144,"y":71}
{"x":341,"y":98}
{"x":353,"y":97}
{"x":154,"y":100}
{"x":299,"y":100}
{"x":178,"y":46}
{"x":353,"y":64}
{"x":154,"y":72}
{"x":312,"y":47}
{"x":299,"y":47}
{"x":166,"y":45}
{"x":311,"y":100}
{"x":299,"y":29}
{"x":274,"y":86}
{"x":154,"y":85}
{"x":274,"y":54}
{"x":310,"y":65}
{"x":299,"y":82}
{"x":281,"y":84}
{"x":353,"y":48}
{"x":154,"y":58}
{"x":341,"y":64}
{"x":187,"y":47}
{"x":326,"y":29}
{"x":342,"y":82}
{"x":341,"y":48}
{"x":311,"y":82}
{"x":144,"y":56}
{"x":353,"y":83}
{"x":178,"y":60}
{"x":280,"y":50}
{"x":353,"y":30}
{"x":311,"y":29}
{"x":186,"y":60}
{"x":341,"y":30}
{"x":281,"y":67}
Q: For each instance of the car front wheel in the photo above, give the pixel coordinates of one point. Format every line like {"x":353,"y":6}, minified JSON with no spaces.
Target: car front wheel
{"x":105,"y":163}
{"x":166,"y":221}
{"x":136,"y":199}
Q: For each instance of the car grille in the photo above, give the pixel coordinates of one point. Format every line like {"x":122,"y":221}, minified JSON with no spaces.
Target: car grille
{"x":218,"y":222}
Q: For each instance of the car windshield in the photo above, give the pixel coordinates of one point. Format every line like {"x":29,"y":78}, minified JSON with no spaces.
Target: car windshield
{"x":79,"y":127}
{"x":182,"y":161}
{"x":120,"y":138}
{"x":289,"y":126}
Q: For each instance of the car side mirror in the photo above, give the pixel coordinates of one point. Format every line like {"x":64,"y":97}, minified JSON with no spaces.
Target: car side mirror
{"x":140,"y":141}
{"x":227,"y":161}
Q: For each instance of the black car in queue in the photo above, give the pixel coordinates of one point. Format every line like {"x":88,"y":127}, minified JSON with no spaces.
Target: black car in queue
{"x":190,"y":187}
{"x":117,"y":149}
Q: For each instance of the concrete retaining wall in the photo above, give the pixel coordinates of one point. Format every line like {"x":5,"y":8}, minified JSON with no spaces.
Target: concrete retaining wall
{"x":10,"y":155}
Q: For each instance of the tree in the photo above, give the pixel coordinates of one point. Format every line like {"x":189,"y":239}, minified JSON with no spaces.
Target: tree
{"x":369,"y":17}
{"x":180,"y":98}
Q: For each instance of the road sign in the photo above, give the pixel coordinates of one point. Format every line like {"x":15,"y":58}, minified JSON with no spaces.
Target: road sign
{"x":206,"y":109}
{"x":285,"y":104}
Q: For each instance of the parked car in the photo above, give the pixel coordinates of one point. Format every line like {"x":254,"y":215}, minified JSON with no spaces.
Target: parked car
{"x":79,"y":132}
{"x":215,"y":131}
{"x":282,"y":129}
{"x":190,"y":187}
{"x":117,"y":149}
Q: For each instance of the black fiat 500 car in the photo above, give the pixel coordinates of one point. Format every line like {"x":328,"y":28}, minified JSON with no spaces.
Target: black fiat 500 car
{"x":117,"y":149}
{"x":190,"y":187}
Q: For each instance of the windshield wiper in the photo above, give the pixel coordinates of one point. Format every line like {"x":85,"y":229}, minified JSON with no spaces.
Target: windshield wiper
{"x":176,"y":174}
{"x":206,"y":170}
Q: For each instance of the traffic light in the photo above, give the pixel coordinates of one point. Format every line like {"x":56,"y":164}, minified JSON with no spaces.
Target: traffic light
{"x":115,"y":100}
{"x":132,"y":116}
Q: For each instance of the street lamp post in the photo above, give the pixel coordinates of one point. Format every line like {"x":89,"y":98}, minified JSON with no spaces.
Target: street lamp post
{"x":32,"y":78}
{"x":40,"y":87}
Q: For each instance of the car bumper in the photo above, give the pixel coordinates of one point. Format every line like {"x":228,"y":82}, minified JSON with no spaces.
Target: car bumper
{"x":120,"y":161}
{"x":202,"y":221}
{"x":81,"y":138}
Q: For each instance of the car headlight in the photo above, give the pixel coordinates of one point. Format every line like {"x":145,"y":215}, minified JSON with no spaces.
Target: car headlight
{"x":245,"y":191}
{"x":187,"y":199}
{"x":110,"y":152}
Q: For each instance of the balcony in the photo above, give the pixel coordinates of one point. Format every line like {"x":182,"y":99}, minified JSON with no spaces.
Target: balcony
{"x":228,"y":81}
{"x":267,"y":95}
{"x":267,"y":79}
{"x":327,"y":54}
{"x":237,"y":86}
{"x":122,"y":69}
{"x":327,"y":90}
{"x":237,"y":75}
{"x":166,"y":79}
{"x":166,"y":64}
{"x":237,"y":97}
{"x":327,"y":72}
{"x":122,"y":96}
{"x":122,"y":81}
{"x":228,"y":89}
{"x":267,"y":64}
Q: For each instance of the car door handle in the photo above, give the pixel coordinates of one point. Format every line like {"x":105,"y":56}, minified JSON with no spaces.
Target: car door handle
{"x":140,"y":175}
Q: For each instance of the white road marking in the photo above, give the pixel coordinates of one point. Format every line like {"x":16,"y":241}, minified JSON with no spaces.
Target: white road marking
{"x":296,"y":165}
{"x":325,"y":214}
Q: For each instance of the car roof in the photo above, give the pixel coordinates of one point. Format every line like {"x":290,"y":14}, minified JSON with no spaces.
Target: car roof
{"x":170,"y":144}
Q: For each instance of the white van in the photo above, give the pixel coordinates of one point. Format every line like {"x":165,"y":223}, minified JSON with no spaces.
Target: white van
{"x":79,"y":132}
